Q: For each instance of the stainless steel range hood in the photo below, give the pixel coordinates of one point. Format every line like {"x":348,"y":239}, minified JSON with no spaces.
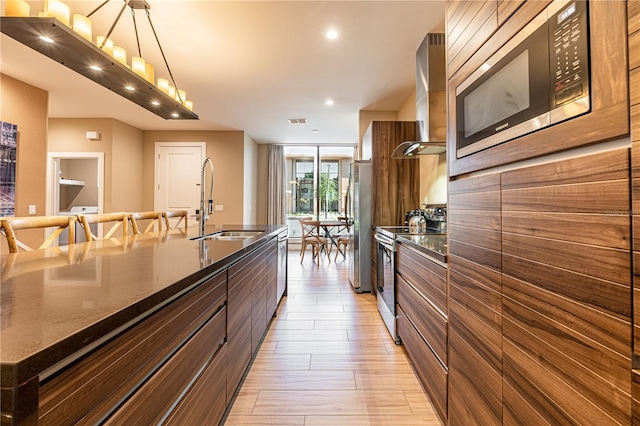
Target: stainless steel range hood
{"x":430,"y":101}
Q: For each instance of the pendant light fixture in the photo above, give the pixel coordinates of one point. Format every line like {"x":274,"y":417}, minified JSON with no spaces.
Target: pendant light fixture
{"x":69,"y":42}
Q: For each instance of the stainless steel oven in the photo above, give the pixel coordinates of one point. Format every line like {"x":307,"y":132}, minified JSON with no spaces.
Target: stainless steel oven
{"x":386,"y":270}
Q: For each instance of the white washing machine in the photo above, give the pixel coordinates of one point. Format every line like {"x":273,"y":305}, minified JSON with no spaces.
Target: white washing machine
{"x":63,"y":239}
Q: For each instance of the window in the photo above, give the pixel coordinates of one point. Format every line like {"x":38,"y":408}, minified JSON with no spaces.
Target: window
{"x":318,"y":177}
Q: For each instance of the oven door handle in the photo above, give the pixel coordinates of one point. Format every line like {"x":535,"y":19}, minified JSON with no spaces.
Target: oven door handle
{"x":386,"y":242}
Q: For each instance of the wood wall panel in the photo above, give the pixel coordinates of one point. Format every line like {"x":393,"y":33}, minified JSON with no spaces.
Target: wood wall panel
{"x":635,"y":386}
{"x":634,"y":15}
{"x":607,"y":166}
{"x":599,"y":343}
{"x":488,"y":258}
{"x":633,"y":8}
{"x":466,"y":23}
{"x":634,"y":86}
{"x":475,"y":301}
{"x":567,"y":317}
{"x":634,"y":50}
{"x":607,"y":297}
{"x":396,"y":183}
{"x":599,"y":262}
{"x":488,"y":239}
{"x":470,"y":218}
{"x":476,"y":25}
{"x":635,"y":123}
{"x":506,"y":8}
{"x":577,"y":228}
{"x":551,"y":317}
{"x":475,"y":391}
{"x":544,"y":390}
{"x":610,"y":93}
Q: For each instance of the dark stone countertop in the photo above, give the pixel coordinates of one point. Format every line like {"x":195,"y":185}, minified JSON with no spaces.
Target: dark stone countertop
{"x":57,"y":301}
{"x":432,"y":245}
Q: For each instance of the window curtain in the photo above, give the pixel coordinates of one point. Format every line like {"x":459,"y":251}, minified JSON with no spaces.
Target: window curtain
{"x":276,"y":186}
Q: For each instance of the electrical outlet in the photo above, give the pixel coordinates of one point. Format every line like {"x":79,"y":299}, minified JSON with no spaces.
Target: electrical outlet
{"x":219,"y":208}
{"x":32,"y":209}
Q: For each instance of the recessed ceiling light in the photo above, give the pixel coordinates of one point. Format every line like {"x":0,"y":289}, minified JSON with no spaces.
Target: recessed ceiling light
{"x":95,"y":68}
{"x":175,"y":115}
{"x":328,"y":102}
{"x":155,"y":103}
{"x":47,"y":39}
{"x":332,"y":34}
{"x":129,"y":88}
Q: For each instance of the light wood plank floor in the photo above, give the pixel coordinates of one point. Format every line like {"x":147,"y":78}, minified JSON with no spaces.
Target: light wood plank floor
{"x":327,"y":359}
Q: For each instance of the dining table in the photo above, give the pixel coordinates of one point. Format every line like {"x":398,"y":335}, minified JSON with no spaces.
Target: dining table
{"x":331,"y":227}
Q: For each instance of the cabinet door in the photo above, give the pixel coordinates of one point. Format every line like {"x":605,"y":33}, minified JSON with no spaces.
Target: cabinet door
{"x":149,"y":405}
{"x":206,"y":403}
{"x":239,"y":321}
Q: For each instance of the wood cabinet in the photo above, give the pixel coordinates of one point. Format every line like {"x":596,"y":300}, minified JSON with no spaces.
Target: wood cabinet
{"x":396,"y":183}
{"x":132,"y":366}
{"x":395,"y":186}
{"x":423,"y":321}
{"x":179,"y":365}
{"x":252,"y":286}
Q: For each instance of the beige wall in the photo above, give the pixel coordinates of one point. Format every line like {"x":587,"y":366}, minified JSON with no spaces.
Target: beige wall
{"x":123,"y":153}
{"x":226,"y":150}
{"x":407,"y":111}
{"x":27,"y":107}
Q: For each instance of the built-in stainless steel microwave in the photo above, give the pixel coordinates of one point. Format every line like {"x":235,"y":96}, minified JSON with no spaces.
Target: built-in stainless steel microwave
{"x":537,"y":79}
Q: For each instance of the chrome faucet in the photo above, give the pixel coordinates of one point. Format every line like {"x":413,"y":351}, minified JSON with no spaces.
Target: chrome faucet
{"x":203,"y":215}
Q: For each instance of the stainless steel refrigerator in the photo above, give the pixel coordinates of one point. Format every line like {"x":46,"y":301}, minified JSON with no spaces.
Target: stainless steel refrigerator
{"x":359,"y":208}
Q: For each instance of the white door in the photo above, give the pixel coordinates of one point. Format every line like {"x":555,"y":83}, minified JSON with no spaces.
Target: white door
{"x":178,"y":176}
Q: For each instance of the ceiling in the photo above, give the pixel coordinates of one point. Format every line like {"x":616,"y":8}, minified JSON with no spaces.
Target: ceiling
{"x":251,"y":65}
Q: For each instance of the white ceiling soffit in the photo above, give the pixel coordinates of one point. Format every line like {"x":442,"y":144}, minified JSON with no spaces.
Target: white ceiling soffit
{"x":251,"y":65}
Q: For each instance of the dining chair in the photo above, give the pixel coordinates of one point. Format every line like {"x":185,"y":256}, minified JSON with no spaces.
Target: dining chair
{"x":342,"y":241}
{"x":182,"y":216}
{"x":311,"y":237}
{"x":8,"y":226}
{"x":117,"y":220}
{"x":154,"y":220}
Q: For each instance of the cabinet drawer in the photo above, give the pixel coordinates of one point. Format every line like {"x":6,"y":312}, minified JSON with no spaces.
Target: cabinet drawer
{"x":429,"y":323}
{"x":427,"y":277}
{"x":206,"y":402}
{"x":431,"y":373}
{"x":108,"y":375}
{"x":150,"y":404}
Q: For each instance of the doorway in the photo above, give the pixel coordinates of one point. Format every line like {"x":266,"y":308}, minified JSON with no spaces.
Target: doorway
{"x":74,"y":179}
{"x":177,"y":175}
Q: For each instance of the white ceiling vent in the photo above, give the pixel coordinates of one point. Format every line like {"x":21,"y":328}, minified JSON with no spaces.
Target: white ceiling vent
{"x":297,"y":121}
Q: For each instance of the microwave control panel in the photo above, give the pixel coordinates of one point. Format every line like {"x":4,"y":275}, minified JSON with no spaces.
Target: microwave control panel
{"x":569,"y":51}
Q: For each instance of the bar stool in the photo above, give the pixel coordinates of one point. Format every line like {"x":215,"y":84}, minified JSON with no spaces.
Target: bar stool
{"x":154,"y":218}
{"x":182,"y":216}
{"x":8,"y":226}
{"x":119,"y":219}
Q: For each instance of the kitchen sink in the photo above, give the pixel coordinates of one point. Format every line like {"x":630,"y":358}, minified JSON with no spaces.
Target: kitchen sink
{"x":229,"y":235}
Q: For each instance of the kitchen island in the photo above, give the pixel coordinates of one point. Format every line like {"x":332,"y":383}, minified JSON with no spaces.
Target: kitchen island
{"x":142,"y":329}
